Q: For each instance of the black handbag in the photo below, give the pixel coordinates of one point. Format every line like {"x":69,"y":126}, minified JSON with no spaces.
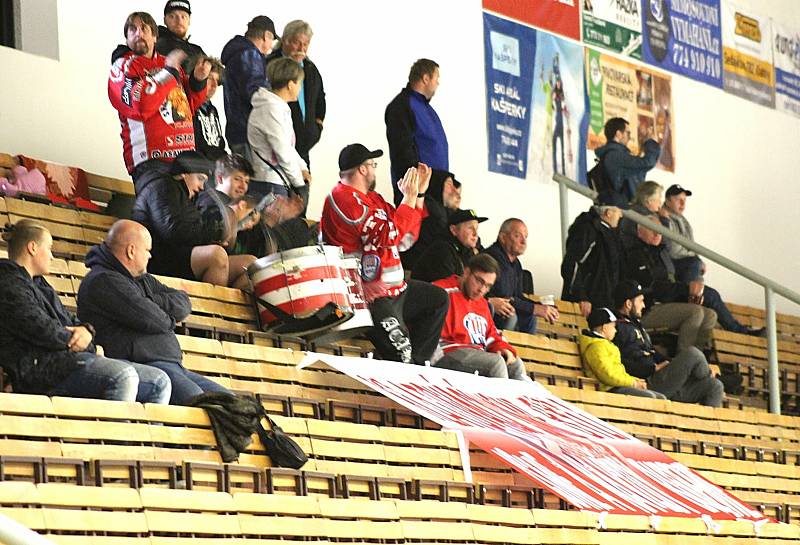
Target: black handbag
{"x":282,"y":449}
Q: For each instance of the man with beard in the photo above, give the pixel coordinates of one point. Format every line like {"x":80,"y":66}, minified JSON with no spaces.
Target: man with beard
{"x":408,"y":316}
{"x":175,"y":33}
{"x":154,"y":97}
{"x":686,"y":377}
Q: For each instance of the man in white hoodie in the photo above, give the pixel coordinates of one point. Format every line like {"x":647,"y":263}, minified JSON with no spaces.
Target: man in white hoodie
{"x":270,"y":132}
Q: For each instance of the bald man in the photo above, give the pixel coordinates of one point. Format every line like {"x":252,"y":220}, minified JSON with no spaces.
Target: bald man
{"x":135,"y":314}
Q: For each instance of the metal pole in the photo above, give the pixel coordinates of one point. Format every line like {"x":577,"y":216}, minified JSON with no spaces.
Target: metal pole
{"x":564,"y":205}
{"x":14,"y":533}
{"x":772,"y":352}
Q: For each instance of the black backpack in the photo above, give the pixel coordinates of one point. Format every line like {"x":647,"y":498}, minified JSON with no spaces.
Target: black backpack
{"x":598,"y":178}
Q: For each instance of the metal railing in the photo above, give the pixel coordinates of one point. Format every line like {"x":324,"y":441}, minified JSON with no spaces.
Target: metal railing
{"x":771,"y":288}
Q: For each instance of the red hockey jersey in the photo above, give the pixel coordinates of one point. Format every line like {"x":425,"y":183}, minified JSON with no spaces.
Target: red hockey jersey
{"x":155,"y":109}
{"x":365,"y":225}
{"x":468,"y":323}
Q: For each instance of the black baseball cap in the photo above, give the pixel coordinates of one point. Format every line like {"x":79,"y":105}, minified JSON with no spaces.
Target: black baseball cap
{"x":627,"y":289}
{"x":460,"y":216}
{"x":600,"y":316}
{"x":172,"y":5}
{"x":190,"y":162}
{"x":675,"y":189}
{"x":262,"y":23}
{"x":353,"y":155}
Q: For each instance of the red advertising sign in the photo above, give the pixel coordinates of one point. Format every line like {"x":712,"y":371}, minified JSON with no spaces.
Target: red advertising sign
{"x":559,"y":16}
{"x":576,"y":456}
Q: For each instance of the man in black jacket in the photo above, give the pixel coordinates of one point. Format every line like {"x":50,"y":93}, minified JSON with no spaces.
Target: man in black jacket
{"x":591,"y":264}
{"x":175,"y":33}
{"x":186,"y":243}
{"x":447,"y":257}
{"x":47,"y":350}
{"x":686,"y":377}
{"x":135,"y":314}
{"x":308,"y":112}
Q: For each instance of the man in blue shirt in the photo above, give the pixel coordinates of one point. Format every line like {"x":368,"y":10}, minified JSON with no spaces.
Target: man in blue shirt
{"x":413,"y":127}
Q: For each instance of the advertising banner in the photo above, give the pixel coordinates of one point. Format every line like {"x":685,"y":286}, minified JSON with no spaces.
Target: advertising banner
{"x":637,"y":94}
{"x":684,"y":37}
{"x":614,"y":25}
{"x":747,"y":54}
{"x":509,"y":49}
{"x":559,"y":16}
{"x":590,"y":464}
{"x":786,"y":55}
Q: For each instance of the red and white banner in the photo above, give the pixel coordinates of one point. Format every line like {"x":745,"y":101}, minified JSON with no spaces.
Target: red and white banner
{"x":559,"y":16}
{"x":590,"y":464}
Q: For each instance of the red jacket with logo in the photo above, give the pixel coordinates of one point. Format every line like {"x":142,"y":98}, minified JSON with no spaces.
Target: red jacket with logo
{"x":155,"y":106}
{"x":468,"y":323}
{"x":365,"y":225}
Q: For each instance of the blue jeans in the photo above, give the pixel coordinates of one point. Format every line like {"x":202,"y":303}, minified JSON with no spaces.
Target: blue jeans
{"x":713,"y":300}
{"x":688,"y":269}
{"x":185,"y":384}
{"x":116,"y":380}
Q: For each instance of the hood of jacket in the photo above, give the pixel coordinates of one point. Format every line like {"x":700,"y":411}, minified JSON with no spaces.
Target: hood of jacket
{"x":588,"y":338}
{"x":266,"y":98}
{"x":119,"y":51}
{"x":159,"y":171}
{"x":234,"y":47}
{"x":604,"y":150}
{"x":101,"y":256}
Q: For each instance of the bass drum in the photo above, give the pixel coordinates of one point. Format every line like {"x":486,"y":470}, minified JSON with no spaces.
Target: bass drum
{"x":301,"y":291}
{"x":361,"y":322}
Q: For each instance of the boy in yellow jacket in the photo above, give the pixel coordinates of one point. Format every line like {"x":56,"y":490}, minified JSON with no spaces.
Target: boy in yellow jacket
{"x":601,"y":358}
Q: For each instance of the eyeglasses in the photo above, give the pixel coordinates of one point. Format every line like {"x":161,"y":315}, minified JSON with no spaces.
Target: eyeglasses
{"x":483,"y":283}
{"x":373,"y":164}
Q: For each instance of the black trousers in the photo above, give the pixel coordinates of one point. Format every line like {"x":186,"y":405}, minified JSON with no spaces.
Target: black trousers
{"x":407,"y":327}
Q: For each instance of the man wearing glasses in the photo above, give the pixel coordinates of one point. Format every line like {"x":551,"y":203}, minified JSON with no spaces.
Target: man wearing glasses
{"x":625,"y":170}
{"x":408,"y":315}
{"x":470,"y":341}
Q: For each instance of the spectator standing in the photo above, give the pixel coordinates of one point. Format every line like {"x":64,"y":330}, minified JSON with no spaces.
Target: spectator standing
{"x":270,"y":134}
{"x":413,"y":127}
{"x":512,"y":310}
{"x":208,"y":136}
{"x":44,"y":348}
{"x":686,"y":377}
{"x":175,"y":33}
{"x":446,"y":257}
{"x":186,"y":244}
{"x":591,"y":265}
{"x":155,"y":99}
{"x":408,"y":315}
{"x":308,"y":111}
{"x":244,"y":58}
{"x":688,"y":265}
{"x":602,"y":360}
{"x":135,"y":314}
{"x":625,"y":171}
{"x":469,"y":341}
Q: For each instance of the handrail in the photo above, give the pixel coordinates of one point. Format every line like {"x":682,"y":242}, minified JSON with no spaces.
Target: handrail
{"x":770,"y":286}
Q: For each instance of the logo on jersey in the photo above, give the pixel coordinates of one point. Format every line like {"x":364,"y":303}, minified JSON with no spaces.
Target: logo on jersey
{"x":370,"y":267}
{"x":476,"y":326}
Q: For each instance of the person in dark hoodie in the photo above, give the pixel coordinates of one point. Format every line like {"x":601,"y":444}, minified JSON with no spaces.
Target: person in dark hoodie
{"x":175,"y":33}
{"x":244,"y":58}
{"x":47,"y":350}
{"x":186,"y":243}
{"x":447,"y":257}
{"x":209,"y":137}
{"x":625,"y":171}
{"x":135,"y":314}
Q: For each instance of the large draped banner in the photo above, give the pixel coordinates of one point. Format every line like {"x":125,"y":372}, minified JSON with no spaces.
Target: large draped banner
{"x":747,"y":54}
{"x":559,"y":16}
{"x":786,"y":55}
{"x":685,"y":37}
{"x":578,"y":457}
{"x":642,"y":96}
{"x":614,"y":25}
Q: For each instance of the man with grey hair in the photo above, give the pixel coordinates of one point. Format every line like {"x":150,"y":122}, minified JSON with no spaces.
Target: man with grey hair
{"x":591,"y":264}
{"x":308,"y":111}
{"x":512,"y":310}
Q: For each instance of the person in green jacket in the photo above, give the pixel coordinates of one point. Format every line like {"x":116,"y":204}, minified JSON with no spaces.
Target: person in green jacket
{"x":602,"y":360}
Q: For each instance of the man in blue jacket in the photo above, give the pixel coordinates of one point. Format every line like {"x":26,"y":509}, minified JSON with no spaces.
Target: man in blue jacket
{"x":135,"y":314}
{"x":413,"y":127}
{"x":244,"y":58}
{"x":625,"y":171}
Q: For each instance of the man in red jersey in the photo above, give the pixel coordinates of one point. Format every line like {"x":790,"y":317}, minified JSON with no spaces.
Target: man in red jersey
{"x":408,"y":315}
{"x":154,"y":97}
{"x":470,"y":342}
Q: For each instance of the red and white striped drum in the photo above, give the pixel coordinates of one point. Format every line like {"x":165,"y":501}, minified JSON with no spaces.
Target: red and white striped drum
{"x":301,"y":291}
{"x":361,"y":322}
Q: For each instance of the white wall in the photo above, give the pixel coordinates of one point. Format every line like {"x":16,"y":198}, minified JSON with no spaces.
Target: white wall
{"x":739,"y":158}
